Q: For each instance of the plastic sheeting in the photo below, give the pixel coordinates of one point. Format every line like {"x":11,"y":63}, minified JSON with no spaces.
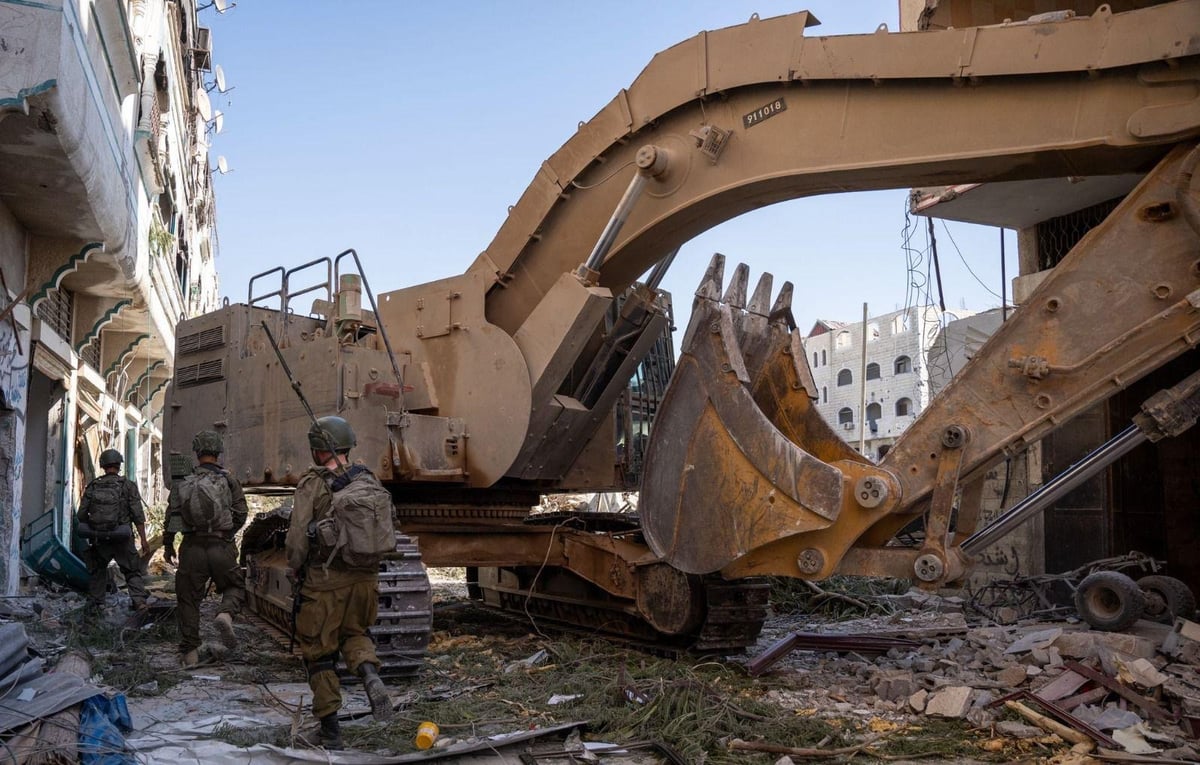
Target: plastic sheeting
{"x":103,"y":721}
{"x":26,"y":694}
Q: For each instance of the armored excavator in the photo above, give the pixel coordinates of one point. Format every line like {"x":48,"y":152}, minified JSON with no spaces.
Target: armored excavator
{"x":475,"y":394}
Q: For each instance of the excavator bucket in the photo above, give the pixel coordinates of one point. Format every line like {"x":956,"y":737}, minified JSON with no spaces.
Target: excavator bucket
{"x":739,"y":457}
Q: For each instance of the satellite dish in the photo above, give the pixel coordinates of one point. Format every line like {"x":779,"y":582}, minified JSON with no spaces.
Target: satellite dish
{"x":222,"y":6}
{"x":218,"y":121}
{"x":220,"y":78}
{"x":203,"y":104}
{"x":222,"y":165}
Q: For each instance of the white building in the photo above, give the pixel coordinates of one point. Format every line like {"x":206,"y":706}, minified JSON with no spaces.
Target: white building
{"x":895,"y":374}
{"x":106,"y":240}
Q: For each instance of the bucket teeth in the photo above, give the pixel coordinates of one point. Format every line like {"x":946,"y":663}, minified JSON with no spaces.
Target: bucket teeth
{"x":735,"y":296}
{"x":762,"y":294}
{"x":782,"y":310}
{"x":739,"y":457}
{"x":714,"y":277}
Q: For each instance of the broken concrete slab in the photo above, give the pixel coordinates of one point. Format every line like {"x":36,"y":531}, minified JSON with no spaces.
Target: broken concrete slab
{"x":918,"y":700}
{"x":950,"y":702}
{"x":1062,"y":686}
{"x":1085,"y":644}
{"x":1033,"y":640}
{"x":894,"y":686}
{"x":1011,"y":676}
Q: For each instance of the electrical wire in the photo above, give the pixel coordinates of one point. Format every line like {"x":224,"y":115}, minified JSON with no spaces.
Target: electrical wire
{"x":968,"y":265}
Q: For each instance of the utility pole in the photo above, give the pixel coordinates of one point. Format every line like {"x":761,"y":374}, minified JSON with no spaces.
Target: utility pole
{"x":862,"y":390}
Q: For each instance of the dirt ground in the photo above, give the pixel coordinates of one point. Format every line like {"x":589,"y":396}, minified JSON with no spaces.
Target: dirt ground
{"x":490,"y":674}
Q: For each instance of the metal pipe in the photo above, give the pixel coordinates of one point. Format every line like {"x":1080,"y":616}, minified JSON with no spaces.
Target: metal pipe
{"x":387,"y":344}
{"x":660,"y":270}
{"x":1003,"y":282}
{"x":1064,"y":482}
{"x":862,"y":390}
{"x":609,"y":236}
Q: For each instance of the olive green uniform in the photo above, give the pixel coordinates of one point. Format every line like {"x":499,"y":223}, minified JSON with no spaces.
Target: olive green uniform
{"x":338,"y":604}
{"x":204,"y":556}
{"x":122,"y":550}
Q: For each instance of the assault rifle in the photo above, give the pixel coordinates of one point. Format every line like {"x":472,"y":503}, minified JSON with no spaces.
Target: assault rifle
{"x":297,"y":586}
{"x":331,"y":447}
{"x":302,"y":574}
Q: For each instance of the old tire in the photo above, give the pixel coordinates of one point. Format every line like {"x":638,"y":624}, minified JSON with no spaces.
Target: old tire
{"x":1109,"y":601}
{"x":1167,"y":598}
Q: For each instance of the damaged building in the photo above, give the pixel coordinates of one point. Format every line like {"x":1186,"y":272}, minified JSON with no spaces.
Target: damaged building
{"x":107,"y":238}
{"x":1147,"y":500}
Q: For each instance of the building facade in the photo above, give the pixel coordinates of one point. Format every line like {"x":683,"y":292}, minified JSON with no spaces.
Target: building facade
{"x":894,"y":378}
{"x":106,"y":240}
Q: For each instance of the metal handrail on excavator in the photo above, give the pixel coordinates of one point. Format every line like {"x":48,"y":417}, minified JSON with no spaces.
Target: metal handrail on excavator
{"x":284,"y":292}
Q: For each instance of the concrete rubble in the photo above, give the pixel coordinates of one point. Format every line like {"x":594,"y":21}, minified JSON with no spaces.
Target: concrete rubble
{"x":965,"y":668}
{"x":1119,"y":692}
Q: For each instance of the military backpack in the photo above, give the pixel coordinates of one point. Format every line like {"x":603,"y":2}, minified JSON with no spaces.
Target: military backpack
{"x":106,"y":503}
{"x":359,"y":529}
{"x":206,"y":502}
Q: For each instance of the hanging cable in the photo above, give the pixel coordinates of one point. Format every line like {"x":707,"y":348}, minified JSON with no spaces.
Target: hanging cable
{"x":965,"y":263}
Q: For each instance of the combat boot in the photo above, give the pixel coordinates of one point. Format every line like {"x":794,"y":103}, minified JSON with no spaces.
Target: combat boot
{"x":328,"y":735}
{"x":190,"y":659}
{"x":225,"y":629}
{"x":381,"y":703}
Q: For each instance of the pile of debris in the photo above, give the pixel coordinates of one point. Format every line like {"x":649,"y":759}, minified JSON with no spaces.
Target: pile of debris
{"x":55,"y":716}
{"x":1135,"y":693}
{"x":921,"y":677}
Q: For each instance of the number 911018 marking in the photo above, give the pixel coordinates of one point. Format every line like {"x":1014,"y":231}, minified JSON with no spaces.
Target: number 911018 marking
{"x":764,"y":112}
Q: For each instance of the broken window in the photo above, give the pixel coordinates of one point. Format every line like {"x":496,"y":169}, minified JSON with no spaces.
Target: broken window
{"x":903,"y":365}
{"x":903,"y":407}
{"x":845,"y":416}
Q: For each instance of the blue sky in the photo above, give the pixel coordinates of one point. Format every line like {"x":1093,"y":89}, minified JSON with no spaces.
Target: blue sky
{"x":406,"y":129}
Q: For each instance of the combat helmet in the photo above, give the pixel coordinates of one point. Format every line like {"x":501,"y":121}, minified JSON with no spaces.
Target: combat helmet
{"x":208,"y":442}
{"x":110,"y":458}
{"x":331,"y":431}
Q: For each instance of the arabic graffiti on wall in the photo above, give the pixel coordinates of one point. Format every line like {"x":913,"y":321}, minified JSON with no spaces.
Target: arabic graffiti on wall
{"x":14,"y":385}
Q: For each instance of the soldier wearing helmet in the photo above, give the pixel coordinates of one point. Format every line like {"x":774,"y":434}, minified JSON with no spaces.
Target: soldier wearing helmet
{"x":207,"y":508}
{"x":111,"y":504}
{"x":338,"y":602}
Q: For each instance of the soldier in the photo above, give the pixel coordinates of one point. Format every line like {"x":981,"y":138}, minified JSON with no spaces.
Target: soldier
{"x":110,"y":504}
{"x":207,"y":507}
{"x":336,"y":567}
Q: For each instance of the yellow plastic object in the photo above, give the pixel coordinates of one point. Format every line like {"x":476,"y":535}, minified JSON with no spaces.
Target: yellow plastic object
{"x":427,"y":733}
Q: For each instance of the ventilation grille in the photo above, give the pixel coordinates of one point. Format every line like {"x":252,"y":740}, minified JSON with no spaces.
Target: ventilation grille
{"x":200,"y":374}
{"x":213,"y":337}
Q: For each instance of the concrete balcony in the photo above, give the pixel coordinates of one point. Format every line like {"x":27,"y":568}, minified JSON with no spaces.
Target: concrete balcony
{"x":69,"y":94}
